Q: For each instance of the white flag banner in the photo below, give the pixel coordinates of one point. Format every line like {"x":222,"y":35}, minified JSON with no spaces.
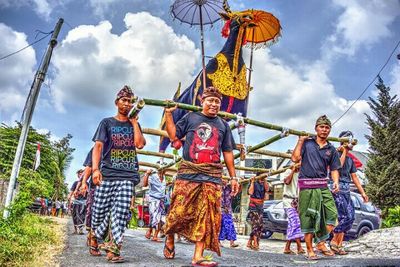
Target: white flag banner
{"x":37,"y":157}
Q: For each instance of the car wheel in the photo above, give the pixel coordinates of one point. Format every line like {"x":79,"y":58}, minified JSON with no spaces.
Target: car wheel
{"x":267,"y":234}
{"x":363,"y":230}
{"x":140,"y":223}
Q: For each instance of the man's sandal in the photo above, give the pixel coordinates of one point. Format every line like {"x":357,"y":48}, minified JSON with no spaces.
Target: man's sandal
{"x":94,"y":251}
{"x":338,"y":249}
{"x":114,"y":258}
{"x":204,"y":262}
{"x":311,"y":258}
{"x":93,"y":246}
{"x":326,"y":252}
{"x":289,"y":252}
{"x":168,"y":252}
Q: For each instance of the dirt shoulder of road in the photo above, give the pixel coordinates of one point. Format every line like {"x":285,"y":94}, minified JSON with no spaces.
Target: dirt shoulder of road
{"x":48,"y":254}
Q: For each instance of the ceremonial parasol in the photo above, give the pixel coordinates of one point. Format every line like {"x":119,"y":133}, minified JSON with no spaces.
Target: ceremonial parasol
{"x":266,"y":32}
{"x":198,"y":12}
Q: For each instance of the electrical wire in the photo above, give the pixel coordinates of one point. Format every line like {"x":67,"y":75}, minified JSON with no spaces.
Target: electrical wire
{"x":366,"y":88}
{"x":31,"y":44}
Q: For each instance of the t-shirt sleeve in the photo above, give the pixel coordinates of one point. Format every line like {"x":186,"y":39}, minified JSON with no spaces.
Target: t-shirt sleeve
{"x":228,"y":143}
{"x":73,"y":187}
{"x":182,"y":126}
{"x":285,"y":174}
{"x":353,"y":168}
{"x":101,"y":132}
{"x":335,"y":161}
{"x":88,"y":160}
{"x":151,"y":178}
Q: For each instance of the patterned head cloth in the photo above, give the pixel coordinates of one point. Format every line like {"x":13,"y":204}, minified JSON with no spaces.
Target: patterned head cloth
{"x":323,"y":120}
{"x":126,"y":91}
{"x":211,"y":92}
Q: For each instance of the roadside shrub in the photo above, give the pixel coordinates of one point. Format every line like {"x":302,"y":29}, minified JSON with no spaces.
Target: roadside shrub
{"x":393,"y":218}
{"x":22,"y":235}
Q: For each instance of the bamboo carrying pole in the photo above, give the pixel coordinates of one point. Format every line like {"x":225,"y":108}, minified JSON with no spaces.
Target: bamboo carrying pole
{"x":272,"y":153}
{"x":163,"y":103}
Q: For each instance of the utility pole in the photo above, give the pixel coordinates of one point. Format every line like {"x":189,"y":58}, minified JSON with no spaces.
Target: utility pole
{"x":29,"y":108}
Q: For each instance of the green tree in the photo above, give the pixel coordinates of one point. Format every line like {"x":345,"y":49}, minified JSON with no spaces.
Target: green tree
{"x":49,"y":179}
{"x":383,"y":167}
{"x":63,"y":158}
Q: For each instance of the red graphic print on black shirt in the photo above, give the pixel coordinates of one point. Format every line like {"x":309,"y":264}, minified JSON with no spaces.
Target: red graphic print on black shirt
{"x":204,"y":148}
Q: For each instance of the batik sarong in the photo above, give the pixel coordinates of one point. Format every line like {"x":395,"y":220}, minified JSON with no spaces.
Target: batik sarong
{"x":293,"y":230}
{"x":227,"y":228}
{"x":195,"y":213}
{"x":256,"y":217}
{"x":346,"y":213}
{"x":157,"y":212}
{"x":89,"y":204}
{"x":111,"y":204}
{"x":78,"y":213}
{"x":317,"y":209}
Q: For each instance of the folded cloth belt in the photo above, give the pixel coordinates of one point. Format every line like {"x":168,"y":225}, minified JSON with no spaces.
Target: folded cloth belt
{"x":256,"y":200}
{"x":313,"y":183}
{"x":210,"y":169}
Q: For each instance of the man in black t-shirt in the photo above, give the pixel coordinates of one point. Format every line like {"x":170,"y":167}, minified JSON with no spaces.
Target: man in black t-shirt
{"x":195,"y":210}
{"x":116,"y":140}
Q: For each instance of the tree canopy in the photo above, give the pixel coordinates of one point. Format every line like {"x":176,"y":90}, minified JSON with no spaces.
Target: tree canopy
{"x":383,"y":167}
{"x":49,"y":179}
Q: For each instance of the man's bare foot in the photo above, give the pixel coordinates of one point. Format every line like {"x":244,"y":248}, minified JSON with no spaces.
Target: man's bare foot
{"x":301,"y":251}
{"x":148,"y":234}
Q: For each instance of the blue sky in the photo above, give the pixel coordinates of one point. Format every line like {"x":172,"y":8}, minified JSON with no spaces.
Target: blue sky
{"x":328,"y":53}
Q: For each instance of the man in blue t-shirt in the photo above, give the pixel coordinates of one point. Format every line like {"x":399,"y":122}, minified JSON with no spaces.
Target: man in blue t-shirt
{"x":116,"y":140}
{"x":317,"y":210}
{"x":195,"y":210}
{"x":344,"y":204}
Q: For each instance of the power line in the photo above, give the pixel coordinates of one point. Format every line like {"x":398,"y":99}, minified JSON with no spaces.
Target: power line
{"x":366,"y":88}
{"x":9,"y":55}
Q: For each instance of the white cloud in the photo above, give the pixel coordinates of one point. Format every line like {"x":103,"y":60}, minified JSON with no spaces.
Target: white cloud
{"x":101,"y":6}
{"x":362,"y":23}
{"x":295,"y":99}
{"x":92,"y":63}
{"x":16,"y":72}
{"x":42,"y":8}
{"x":395,"y":79}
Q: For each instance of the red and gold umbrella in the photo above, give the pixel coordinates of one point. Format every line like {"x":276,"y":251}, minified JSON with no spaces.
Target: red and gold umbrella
{"x":266,"y":32}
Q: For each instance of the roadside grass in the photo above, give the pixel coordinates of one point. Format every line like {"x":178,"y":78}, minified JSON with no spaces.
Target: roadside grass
{"x":31,"y":240}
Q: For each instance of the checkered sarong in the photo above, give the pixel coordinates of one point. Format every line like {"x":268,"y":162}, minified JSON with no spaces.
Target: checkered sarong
{"x":111,"y":206}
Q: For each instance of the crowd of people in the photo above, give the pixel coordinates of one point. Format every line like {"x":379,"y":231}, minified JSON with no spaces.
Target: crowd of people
{"x":55,"y":207}
{"x":200,"y":205}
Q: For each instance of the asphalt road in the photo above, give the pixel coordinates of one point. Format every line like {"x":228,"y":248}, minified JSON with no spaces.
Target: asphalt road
{"x":138,"y":251}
